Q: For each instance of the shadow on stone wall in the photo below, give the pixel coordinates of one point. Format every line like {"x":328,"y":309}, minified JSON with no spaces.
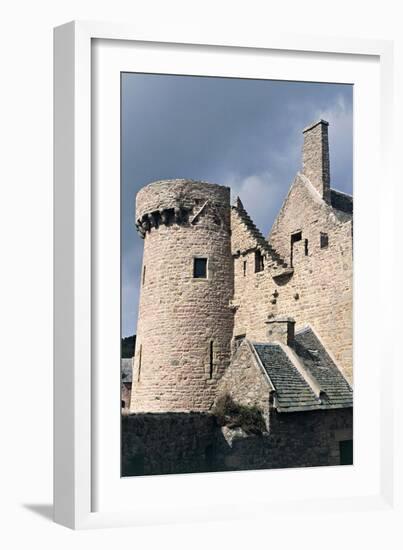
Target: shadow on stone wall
{"x":168,"y":443}
{"x":177,"y":443}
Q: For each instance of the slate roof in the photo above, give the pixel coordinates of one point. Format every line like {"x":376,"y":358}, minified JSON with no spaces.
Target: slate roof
{"x":341,"y":201}
{"x":126,"y":370}
{"x":294,"y":391}
{"x":318,"y":363}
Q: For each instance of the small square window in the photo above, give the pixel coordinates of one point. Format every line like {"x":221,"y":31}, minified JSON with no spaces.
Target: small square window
{"x":200,"y":268}
{"x":259,"y":261}
{"x":324,"y":240}
{"x":295,"y":237}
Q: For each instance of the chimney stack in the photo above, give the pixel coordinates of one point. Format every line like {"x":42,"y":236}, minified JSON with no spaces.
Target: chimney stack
{"x":281,"y":329}
{"x":315,"y":157}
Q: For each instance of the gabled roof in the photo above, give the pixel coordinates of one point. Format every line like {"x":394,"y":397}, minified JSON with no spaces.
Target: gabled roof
{"x":316,"y":384}
{"x":319,"y":364}
{"x":292,"y":392}
{"x":126,"y":367}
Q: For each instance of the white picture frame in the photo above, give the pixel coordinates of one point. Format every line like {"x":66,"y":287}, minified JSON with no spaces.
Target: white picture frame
{"x":81,"y":425}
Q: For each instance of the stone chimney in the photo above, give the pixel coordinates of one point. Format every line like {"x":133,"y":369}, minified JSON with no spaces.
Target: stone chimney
{"x":281,"y":329}
{"x":315,"y":157}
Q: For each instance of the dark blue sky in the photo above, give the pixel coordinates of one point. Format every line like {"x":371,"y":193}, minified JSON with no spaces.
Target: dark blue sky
{"x":246,"y":134}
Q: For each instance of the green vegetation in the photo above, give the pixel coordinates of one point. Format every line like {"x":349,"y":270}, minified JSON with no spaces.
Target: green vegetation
{"x":233,"y":415}
{"x":127,"y":347}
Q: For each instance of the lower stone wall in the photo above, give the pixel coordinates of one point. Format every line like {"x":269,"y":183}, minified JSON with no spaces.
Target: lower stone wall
{"x":173,"y":443}
{"x":167,"y":443}
{"x":299,"y":439}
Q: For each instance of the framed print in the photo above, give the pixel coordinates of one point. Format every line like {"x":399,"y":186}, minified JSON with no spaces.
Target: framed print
{"x":212,"y":307}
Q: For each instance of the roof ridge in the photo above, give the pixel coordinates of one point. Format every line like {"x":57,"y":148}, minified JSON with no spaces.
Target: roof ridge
{"x":296,"y":379}
{"x":310,"y":330}
{"x":291,"y":387}
{"x":309,"y":378}
{"x":341,"y":192}
{"x":303,"y":329}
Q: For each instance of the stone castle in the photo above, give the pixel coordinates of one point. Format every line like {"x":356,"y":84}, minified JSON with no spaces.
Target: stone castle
{"x":225,"y":311}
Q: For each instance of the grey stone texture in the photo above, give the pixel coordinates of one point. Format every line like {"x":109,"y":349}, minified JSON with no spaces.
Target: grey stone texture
{"x":280,"y":329}
{"x":297,"y":377}
{"x":185,"y":324}
{"x":315,"y":158}
{"x":245,"y":381}
{"x":270,"y":325}
{"x":298,"y":439}
{"x":126,"y":371}
{"x":180,"y":316}
{"x":319,"y":289}
{"x":167,"y":443}
{"x":173,"y":443}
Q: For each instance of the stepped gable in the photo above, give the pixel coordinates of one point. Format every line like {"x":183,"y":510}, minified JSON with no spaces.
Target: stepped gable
{"x":278,"y":265}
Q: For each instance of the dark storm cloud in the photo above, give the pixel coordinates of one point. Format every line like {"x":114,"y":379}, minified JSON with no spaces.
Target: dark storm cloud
{"x":243,"y":133}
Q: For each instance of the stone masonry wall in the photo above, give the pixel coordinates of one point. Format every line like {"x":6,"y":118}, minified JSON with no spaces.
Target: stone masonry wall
{"x":174,"y":443}
{"x":315,"y":158}
{"x":296,"y":440}
{"x":125,"y":393}
{"x":167,"y":443}
{"x":244,"y":383}
{"x":319,"y":292}
{"x":181,"y":317}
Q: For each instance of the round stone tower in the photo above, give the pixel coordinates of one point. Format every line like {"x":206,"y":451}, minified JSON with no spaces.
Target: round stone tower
{"x":185,"y":322}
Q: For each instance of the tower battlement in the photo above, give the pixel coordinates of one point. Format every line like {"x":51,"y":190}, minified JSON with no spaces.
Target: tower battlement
{"x":179,"y":201}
